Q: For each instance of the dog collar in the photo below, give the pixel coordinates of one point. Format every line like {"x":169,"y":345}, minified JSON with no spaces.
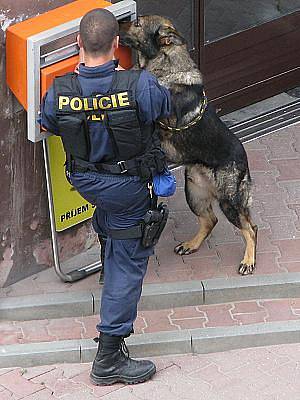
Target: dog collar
{"x":192,"y":123}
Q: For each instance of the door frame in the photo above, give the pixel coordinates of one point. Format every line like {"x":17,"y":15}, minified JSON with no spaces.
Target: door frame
{"x":251,"y":65}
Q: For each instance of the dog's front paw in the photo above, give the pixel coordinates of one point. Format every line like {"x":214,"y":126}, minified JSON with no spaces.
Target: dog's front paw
{"x":245,"y":269}
{"x":184,"y":249}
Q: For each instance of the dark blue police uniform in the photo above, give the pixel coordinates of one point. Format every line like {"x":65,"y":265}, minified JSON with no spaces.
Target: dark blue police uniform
{"x":121,"y":200}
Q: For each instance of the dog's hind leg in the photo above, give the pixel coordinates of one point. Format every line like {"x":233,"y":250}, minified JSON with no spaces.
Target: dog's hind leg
{"x":199,"y":195}
{"x":242,"y":220}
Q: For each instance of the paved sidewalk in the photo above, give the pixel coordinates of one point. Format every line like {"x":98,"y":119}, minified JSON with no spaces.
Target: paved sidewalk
{"x":266,"y":373}
{"x":275,"y":168}
{"x":168,"y":320}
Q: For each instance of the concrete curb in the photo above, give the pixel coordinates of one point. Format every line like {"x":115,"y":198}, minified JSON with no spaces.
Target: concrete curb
{"x":206,"y":340}
{"x":155,"y":296}
{"x":273,"y":286}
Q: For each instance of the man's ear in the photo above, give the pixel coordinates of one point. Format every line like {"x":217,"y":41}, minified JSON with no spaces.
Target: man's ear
{"x":167,"y":35}
{"x":79,"y":41}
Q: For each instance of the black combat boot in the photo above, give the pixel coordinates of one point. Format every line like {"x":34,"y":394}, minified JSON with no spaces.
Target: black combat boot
{"x":112,"y":363}
{"x":102,"y":241}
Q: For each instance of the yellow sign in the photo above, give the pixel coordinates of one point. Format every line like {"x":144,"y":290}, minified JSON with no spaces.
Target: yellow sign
{"x":69,"y":207}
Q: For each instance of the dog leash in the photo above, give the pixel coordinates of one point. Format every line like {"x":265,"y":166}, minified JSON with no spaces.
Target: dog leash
{"x":192,"y":123}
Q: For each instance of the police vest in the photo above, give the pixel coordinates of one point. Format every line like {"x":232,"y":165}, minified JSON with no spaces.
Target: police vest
{"x":131,"y":139}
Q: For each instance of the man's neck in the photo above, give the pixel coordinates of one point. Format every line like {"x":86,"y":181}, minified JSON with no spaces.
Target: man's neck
{"x":97,"y":61}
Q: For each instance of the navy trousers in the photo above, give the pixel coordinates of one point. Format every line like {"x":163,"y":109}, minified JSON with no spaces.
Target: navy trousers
{"x":121,"y":202}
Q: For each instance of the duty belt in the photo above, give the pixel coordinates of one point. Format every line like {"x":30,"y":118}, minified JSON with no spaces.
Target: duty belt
{"x":121,"y":167}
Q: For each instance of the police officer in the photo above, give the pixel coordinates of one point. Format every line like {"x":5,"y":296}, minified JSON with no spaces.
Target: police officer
{"x":106,"y":121}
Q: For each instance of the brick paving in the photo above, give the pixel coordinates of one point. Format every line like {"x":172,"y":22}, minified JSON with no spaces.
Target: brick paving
{"x":204,"y":316}
{"x":265,"y":373}
{"x":275,"y":168}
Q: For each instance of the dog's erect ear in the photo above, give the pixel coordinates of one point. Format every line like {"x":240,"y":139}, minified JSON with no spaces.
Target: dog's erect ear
{"x":167,"y":35}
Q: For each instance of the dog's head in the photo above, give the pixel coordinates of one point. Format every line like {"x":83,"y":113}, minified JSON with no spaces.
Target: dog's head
{"x":149,"y":34}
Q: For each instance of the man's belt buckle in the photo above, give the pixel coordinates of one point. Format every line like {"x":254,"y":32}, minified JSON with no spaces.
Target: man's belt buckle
{"x":122,"y":166}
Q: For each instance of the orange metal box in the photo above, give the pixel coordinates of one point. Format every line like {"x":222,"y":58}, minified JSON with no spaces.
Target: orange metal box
{"x":17,"y":36}
{"x":43,"y":47}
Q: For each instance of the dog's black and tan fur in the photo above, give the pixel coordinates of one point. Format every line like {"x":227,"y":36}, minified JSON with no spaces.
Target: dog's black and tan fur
{"x":215,"y":160}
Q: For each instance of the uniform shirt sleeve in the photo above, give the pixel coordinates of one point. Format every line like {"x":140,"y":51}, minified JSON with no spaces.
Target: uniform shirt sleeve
{"x":48,"y":114}
{"x":153,"y":100}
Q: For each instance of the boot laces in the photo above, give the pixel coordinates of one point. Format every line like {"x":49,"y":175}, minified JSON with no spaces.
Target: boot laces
{"x":124,"y":348}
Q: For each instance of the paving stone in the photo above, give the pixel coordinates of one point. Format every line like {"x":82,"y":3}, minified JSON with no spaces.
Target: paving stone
{"x":255,"y":145}
{"x":284,"y":350}
{"x":123,"y":394}
{"x":218,"y":315}
{"x":185,"y":274}
{"x":283,"y":227}
{"x":289,"y":170}
{"x":5,"y":371}
{"x":151,"y":277}
{"x":280,"y":146}
{"x":10,"y":333}
{"x":33,"y":372}
{"x":89,"y":326}
{"x":181,"y":385}
{"x":289,"y":372}
{"x":257,"y":160}
{"x":249,"y":319}
{"x":168,"y":255}
{"x":191,"y":363}
{"x":73,"y":369}
{"x":64,"y":387}
{"x":230,"y":254}
{"x":265,"y":243}
{"x":272,"y":361}
{"x":140,"y":324}
{"x":49,"y":378}
{"x":97,"y":391}
{"x":44,"y":394}
{"x":65,"y":328}
{"x":35,"y":332}
{"x":158,"y":321}
{"x":246,"y":307}
{"x":187,"y":312}
{"x":274,"y":205}
{"x":207,"y":268}
{"x":83,"y":394}
{"x":292,"y":189}
{"x":17,"y":384}
{"x":278,"y":309}
{"x":267,"y":263}
{"x":205,"y":250}
{"x":164,"y":362}
{"x":289,"y":250}
{"x":7,"y":395}
{"x":212,"y":376}
{"x":178,"y":202}
{"x":257,"y":216}
{"x":292,"y":266}
{"x":265,"y":182}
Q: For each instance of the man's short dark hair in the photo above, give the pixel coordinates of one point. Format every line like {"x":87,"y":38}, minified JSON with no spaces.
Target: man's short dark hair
{"x":98,"y":28}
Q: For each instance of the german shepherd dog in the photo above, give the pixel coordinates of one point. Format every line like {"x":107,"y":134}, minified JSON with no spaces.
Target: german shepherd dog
{"x":216,"y":166}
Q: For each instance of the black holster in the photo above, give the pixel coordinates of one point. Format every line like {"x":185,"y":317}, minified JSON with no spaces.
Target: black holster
{"x":149,"y":230}
{"x":154,"y":222}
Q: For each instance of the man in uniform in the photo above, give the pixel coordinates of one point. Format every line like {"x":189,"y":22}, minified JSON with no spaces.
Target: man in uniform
{"x":106,"y":121}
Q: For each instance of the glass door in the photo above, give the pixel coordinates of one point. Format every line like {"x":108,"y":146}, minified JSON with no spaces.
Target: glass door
{"x":250,"y":49}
